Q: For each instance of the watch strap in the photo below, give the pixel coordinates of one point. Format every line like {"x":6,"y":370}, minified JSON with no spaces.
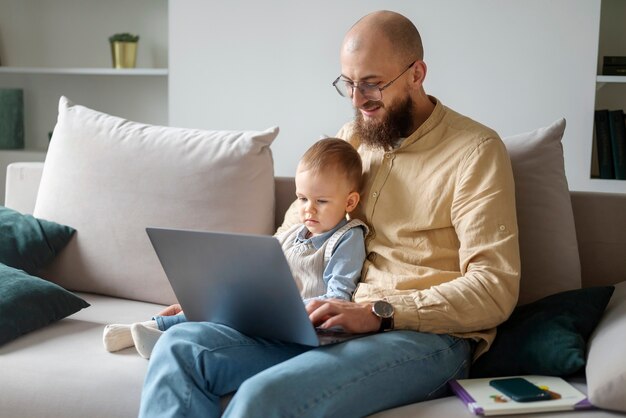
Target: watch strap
{"x":386,"y":324}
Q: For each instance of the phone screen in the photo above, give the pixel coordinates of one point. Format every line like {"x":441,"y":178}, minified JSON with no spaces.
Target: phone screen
{"x":520,"y":389}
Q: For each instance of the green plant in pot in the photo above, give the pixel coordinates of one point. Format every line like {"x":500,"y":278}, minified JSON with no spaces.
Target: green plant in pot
{"x":124,"y":49}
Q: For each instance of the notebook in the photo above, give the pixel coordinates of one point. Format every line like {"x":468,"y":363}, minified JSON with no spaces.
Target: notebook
{"x":239,"y":280}
{"x":482,"y":399}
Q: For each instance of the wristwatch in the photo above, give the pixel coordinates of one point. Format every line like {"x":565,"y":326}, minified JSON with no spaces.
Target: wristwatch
{"x":383,"y":310}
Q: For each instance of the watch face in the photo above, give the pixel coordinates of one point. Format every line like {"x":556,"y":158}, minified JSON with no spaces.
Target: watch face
{"x":383,"y":309}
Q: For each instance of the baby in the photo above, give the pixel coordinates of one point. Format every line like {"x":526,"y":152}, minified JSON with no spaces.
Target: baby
{"x":325,"y":252}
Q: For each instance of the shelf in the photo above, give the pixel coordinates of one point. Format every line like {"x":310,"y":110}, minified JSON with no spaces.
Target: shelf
{"x":22,"y":152}
{"x":602,"y":80}
{"x":608,"y":185}
{"x":85,"y":71}
{"x":611,"y":79}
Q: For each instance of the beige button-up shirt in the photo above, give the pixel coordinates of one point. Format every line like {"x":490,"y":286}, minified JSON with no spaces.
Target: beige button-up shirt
{"x":443,"y":244}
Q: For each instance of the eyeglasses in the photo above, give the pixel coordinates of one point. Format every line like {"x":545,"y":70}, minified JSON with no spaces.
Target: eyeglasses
{"x":369,"y":91}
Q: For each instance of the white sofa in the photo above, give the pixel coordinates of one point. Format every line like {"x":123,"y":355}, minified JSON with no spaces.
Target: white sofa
{"x":62,"y":369}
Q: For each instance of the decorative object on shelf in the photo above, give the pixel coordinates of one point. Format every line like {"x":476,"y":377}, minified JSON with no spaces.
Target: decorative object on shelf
{"x":124,"y":50}
{"x":11,"y":118}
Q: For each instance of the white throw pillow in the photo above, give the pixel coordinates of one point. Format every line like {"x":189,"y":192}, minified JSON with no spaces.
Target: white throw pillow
{"x":110,"y":178}
{"x":548,"y":245}
{"x":606,"y":361}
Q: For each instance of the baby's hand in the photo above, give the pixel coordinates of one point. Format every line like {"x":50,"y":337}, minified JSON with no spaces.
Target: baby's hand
{"x":171,"y":310}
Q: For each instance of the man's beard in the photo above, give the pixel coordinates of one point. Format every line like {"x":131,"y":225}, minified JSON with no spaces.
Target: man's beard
{"x":385,"y":134}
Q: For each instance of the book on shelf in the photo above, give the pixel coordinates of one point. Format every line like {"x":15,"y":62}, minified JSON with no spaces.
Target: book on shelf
{"x":483,"y":399}
{"x":618,"y":143}
{"x":595,"y":166}
{"x":614,"y":60}
{"x":614,"y":65}
{"x":603,"y":142}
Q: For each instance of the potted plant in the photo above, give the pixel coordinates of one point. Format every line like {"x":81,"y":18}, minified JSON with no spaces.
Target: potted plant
{"x":124,"y":49}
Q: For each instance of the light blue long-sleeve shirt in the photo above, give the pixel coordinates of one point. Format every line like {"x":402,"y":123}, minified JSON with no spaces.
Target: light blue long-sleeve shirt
{"x":343,"y":271}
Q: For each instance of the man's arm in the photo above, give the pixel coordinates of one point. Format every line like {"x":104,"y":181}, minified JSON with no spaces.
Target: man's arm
{"x":356,"y":318}
{"x":483,"y":215}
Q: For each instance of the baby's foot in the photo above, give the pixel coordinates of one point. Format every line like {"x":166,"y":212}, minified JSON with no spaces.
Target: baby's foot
{"x":117,"y":337}
{"x":145,"y":337}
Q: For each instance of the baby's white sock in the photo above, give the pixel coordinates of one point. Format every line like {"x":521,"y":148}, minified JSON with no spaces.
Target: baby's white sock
{"x":118,"y":336}
{"x":145,"y":337}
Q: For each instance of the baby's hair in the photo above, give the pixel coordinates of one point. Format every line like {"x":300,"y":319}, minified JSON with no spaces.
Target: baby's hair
{"x":337,"y":154}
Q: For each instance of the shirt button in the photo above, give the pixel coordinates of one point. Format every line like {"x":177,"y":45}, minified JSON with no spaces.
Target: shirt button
{"x":502,"y":228}
{"x":388,"y":155}
{"x":375,"y":194}
{"x":371,"y":256}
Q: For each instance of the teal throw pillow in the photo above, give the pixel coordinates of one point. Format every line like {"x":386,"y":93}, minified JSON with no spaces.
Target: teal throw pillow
{"x":28,"y":303}
{"x":28,"y":243}
{"x":545,"y":337}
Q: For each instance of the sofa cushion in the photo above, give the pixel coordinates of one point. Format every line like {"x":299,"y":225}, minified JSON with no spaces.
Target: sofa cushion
{"x":547,"y":233}
{"x":606,"y":361}
{"x":28,"y":243}
{"x":110,"y":178}
{"x":63,"y":370}
{"x":29,"y":303}
{"x":545,"y":337}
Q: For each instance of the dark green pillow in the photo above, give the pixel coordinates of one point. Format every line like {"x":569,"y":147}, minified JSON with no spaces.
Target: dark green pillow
{"x":28,"y":243}
{"x":546,"y":337}
{"x":28,"y":303}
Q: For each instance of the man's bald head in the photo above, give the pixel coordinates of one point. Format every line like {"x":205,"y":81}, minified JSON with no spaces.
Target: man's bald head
{"x":384,"y":25}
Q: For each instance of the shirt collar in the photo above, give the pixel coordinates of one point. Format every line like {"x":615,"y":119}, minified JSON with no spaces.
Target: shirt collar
{"x":433,"y":120}
{"x":318,"y":240}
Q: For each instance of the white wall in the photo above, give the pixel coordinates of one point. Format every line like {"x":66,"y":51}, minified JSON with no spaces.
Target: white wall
{"x":74,"y":33}
{"x":515,"y":65}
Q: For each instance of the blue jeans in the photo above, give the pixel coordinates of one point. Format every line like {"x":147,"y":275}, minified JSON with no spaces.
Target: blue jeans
{"x":195,"y":363}
{"x":165,"y":322}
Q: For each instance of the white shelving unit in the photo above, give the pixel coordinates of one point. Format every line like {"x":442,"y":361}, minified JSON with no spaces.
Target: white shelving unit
{"x":603,"y":80}
{"x":61,"y":48}
{"x":610,"y":89}
{"x":85,"y":71}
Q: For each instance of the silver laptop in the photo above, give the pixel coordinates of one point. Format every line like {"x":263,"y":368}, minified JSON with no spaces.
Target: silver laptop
{"x":242,"y":281}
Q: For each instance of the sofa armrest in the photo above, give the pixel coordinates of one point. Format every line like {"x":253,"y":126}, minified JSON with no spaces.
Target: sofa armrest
{"x":22,"y":186}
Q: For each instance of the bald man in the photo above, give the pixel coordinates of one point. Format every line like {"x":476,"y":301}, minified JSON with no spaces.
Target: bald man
{"x":442,"y":269}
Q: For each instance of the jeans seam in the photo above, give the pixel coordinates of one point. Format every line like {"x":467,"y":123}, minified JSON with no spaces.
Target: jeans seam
{"x":456,"y":371}
{"x":188,"y":370}
{"x":192,"y":367}
{"x":332,"y":392}
{"x":196,"y":359}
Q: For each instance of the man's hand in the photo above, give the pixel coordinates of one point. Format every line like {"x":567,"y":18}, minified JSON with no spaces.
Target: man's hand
{"x":171,"y":310}
{"x":356,"y":318}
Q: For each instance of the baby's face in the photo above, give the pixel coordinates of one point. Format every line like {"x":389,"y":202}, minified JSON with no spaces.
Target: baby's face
{"x":323,"y":199}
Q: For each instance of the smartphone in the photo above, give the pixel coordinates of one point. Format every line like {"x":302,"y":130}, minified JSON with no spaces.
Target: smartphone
{"x":520,"y":389}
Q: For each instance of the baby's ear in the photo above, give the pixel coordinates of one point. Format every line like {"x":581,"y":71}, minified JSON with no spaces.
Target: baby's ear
{"x":352,"y":201}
